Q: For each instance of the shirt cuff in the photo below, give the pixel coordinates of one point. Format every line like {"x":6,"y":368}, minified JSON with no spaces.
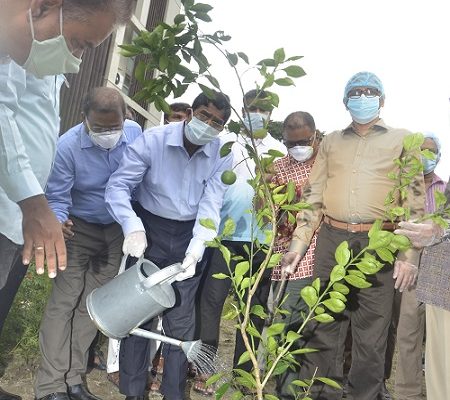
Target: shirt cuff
{"x":299,"y":247}
{"x":132,"y":224}
{"x":411,"y":255}
{"x":196,"y":248}
{"x":21,"y":186}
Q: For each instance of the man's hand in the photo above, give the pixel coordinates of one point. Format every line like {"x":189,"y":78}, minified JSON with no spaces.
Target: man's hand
{"x":420,"y":234}
{"x":289,"y":262}
{"x":67,"y":229}
{"x":405,"y":275}
{"x":42,"y":236}
{"x":189,"y":265}
{"x":135,"y":244}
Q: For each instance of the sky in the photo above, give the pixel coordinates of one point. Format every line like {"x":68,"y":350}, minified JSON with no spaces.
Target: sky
{"x":404,"y":42}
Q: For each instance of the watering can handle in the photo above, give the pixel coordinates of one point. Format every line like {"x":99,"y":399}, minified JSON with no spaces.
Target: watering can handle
{"x":123,"y":263}
{"x":165,"y":275}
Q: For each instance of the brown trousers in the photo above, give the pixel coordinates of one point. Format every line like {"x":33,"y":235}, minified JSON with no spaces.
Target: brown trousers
{"x":369,"y":311}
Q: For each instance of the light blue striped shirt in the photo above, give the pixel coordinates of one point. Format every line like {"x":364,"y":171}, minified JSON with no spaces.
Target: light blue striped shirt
{"x":168,"y":182}
{"x":77,"y":183}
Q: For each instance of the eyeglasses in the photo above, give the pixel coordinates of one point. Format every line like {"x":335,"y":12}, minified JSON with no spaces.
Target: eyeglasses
{"x":101,"y":129}
{"x":368,"y":92}
{"x":304,"y":142}
{"x":210,"y":119}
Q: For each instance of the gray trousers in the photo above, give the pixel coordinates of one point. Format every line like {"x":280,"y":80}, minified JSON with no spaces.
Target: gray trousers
{"x":369,"y":311}
{"x":12,"y":272}
{"x":94,"y":255}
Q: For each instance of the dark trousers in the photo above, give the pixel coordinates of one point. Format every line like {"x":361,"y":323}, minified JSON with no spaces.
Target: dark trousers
{"x":93,"y":258}
{"x":369,"y":311}
{"x":167,"y":244}
{"x":214,"y":292}
{"x":12,"y":272}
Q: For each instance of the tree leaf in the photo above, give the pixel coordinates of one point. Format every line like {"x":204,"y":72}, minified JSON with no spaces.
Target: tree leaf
{"x":334,"y":305}
{"x":242,"y":268}
{"x":324,"y":318}
{"x":234,"y":127}
{"x":220,"y":275}
{"x":342,"y":254}
{"x":294,"y":71}
{"x":258,"y":310}
{"x":341,"y":288}
{"x":245,"y":356}
{"x":292,"y":336}
{"x":252,"y":331}
{"x":337,"y":273}
{"x":243,"y":56}
{"x":284,"y":82}
{"x":229,"y":227}
{"x":337,"y":295}
{"x":222,"y":390}
{"x":329,"y":382}
{"x":213,"y":379}
{"x":226,"y":149}
{"x":275,"y":329}
{"x":385,"y":255}
{"x":208,"y":223}
{"x":357,"y":282}
{"x":309,"y":295}
{"x":380,"y":239}
{"x":279,"y":55}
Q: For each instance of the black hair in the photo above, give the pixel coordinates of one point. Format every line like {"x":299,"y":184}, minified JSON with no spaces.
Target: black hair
{"x":220,"y":100}
{"x":305,"y":116}
{"x":178,"y":106}
{"x":78,"y":9}
{"x":103,"y":100}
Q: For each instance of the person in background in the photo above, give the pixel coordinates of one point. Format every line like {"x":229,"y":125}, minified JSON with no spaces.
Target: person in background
{"x":431,"y":291}
{"x":175,"y":172}
{"x":302,"y":141}
{"x":178,"y":112}
{"x":38,"y":41}
{"x":347,"y":189}
{"x":130,"y":114}
{"x":86,"y":157}
{"x":237,"y":205}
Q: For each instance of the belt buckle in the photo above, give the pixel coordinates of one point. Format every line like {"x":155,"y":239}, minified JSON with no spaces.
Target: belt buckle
{"x":349,"y":224}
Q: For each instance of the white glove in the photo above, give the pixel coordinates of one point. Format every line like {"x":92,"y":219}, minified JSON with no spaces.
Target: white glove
{"x":420,"y":234}
{"x":405,"y":275}
{"x":135,"y":244}
{"x":289,"y":262}
{"x":189,"y":265}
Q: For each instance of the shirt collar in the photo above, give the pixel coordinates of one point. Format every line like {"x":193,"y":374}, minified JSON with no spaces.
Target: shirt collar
{"x":436,"y":179}
{"x":379,"y":126}
{"x":175,"y":135}
{"x":86,"y":141}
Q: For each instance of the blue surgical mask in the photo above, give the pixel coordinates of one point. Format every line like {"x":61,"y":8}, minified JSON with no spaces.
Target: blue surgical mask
{"x":428,"y":165}
{"x":256,"y":120}
{"x":51,"y":56}
{"x":199,"y":132}
{"x":364,"y":109}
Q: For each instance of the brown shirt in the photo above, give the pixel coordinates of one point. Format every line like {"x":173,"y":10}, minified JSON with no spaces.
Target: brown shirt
{"x":349,"y":182}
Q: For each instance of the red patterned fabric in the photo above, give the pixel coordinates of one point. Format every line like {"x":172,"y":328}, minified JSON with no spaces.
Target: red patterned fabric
{"x":289,"y":170}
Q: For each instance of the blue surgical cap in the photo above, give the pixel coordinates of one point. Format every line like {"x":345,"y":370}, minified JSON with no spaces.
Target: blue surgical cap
{"x":435,"y":139}
{"x":363,"y":79}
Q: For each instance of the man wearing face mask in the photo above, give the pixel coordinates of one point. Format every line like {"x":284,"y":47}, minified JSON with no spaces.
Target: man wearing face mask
{"x":38,"y":39}
{"x":347,"y":189}
{"x":302,"y":141}
{"x":86,"y":157}
{"x":175,"y":172}
{"x":411,"y":323}
{"x":238,"y":201}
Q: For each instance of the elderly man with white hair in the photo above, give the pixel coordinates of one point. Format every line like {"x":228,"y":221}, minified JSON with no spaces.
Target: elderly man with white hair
{"x":347,"y":189}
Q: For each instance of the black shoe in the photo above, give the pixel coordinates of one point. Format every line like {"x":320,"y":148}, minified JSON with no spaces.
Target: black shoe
{"x":135,"y":398}
{"x":4,"y":395}
{"x":56,"y":396}
{"x":81,"y":392}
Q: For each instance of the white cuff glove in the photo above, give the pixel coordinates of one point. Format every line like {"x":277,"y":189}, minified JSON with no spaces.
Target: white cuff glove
{"x":189,"y":266}
{"x":135,"y":244}
{"x":289,"y":262}
{"x":420,"y":234}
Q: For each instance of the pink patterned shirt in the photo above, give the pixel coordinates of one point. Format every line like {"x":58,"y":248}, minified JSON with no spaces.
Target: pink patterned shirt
{"x":289,"y":170}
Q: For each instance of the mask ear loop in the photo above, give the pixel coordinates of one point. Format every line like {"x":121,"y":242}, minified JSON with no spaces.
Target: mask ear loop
{"x":31,"y":22}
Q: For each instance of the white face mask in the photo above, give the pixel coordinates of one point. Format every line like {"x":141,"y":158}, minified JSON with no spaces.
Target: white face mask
{"x":107,"y":139}
{"x":301,"y":153}
{"x":51,"y":56}
{"x":256,"y":120}
{"x":199,"y":132}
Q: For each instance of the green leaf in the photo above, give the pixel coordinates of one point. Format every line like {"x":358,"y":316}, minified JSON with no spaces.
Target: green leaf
{"x":356,"y":273}
{"x":201,"y":7}
{"x":294,"y":71}
{"x":213,"y":81}
{"x":213,"y":379}
{"x":234,"y":127}
{"x":179,"y":19}
{"x":252,"y":331}
{"x":357,"y":282}
{"x":232,"y":58}
{"x":245,"y":356}
{"x":274,"y":260}
{"x":139,"y":72}
{"x":304,"y":350}
{"x":337,"y":295}
{"x":291,"y":191}
{"x":220,"y":275}
{"x":275,"y":329}
{"x":439,"y":198}
{"x":209,"y":93}
{"x":275,"y":153}
{"x":385,"y":255}
{"x":334,"y":305}
{"x":401,"y":242}
{"x":300,"y":383}
{"x":279,"y":55}
{"x":294,"y":58}
{"x":270,"y":397}
{"x":203,"y":16}
{"x":342,"y":254}
{"x":380,"y":239}
{"x":245,"y":283}
{"x":230,"y":314}
{"x":269,"y":62}
{"x":319,"y":310}
{"x":258,"y":310}
{"x":341,"y":288}
{"x":292,"y":336}
{"x":329,"y":382}
{"x":225,"y":253}
{"x":309,"y":295}
{"x":284,"y":82}
{"x":428,"y":154}
{"x":368,"y":266}
{"x":229,"y":227}
{"x":226,"y":149}
{"x":243,"y":56}
{"x":337,"y":273}
{"x":222,"y":390}
{"x":237,"y":395}
{"x":324,"y":318}
{"x":163,"y":62}
{"x":413,"y":141}
{"x":316,"y":284}
{"x":242,"y":268}
{"x":208,"y":223}
{"x":376,"y":226}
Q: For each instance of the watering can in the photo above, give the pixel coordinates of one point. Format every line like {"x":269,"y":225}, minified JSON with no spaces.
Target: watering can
{"x":133,"y":297}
